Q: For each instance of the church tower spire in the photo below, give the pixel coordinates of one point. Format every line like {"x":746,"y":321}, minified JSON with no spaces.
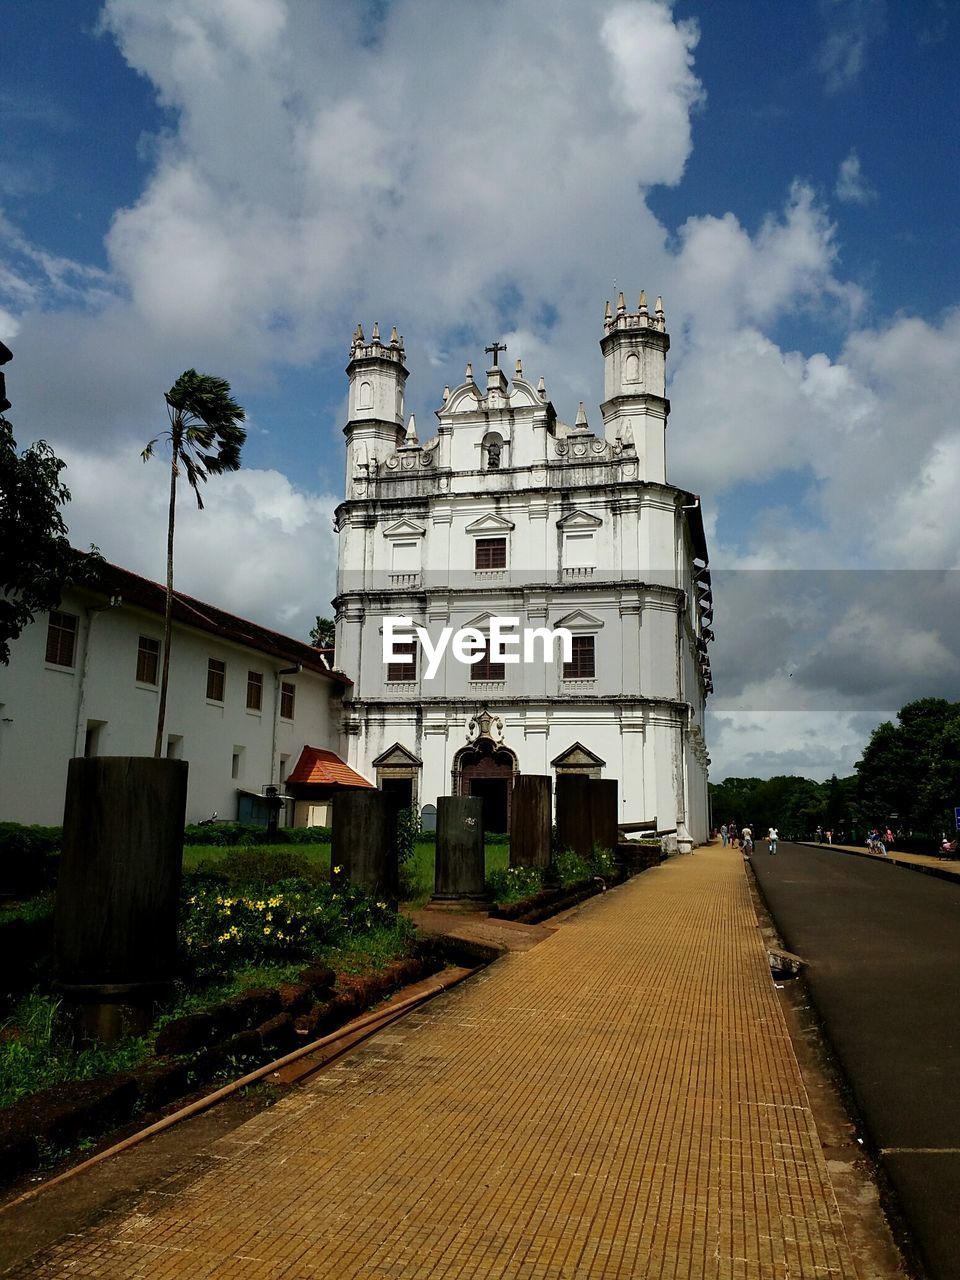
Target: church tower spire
{"x":635,"y":407}
{"x":378,"y":376}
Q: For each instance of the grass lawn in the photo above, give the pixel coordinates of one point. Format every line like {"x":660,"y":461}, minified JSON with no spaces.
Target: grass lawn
{"x":419,"y":878}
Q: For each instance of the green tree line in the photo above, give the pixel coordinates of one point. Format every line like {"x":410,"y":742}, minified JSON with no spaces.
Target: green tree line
{"x":908,"y":778}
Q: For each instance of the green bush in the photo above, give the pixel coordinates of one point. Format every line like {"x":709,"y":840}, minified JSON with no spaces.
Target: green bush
{"x":29,"y":858}
{"x":223,"y":929}
{"x":260,"y":868}
{"x":510,"y":884}
{"x":572,"y":867}
{"x":218,"y":834}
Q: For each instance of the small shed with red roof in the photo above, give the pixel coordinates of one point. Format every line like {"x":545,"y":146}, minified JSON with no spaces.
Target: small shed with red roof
{"x":318,"y":775}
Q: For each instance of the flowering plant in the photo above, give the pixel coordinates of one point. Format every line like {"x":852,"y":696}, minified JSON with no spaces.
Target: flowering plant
{"x":221,"y":928}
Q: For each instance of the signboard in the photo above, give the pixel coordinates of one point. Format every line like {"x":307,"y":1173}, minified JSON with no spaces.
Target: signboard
{"x":956,"y":815}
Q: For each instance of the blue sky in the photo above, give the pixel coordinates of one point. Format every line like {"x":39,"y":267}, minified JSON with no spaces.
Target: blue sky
{"x":233,"y":184}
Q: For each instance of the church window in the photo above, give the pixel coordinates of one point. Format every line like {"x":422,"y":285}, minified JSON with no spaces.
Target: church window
{"x":484,"y":669}
{"x":403,"y":670}
{"x":631,"y":369}
{"x":491,"y":553}
{"x":578,"y":550}
{"x":216,"y":680}
{"x":582,"y":664}
{"x":365,"y":396}
{"x":61,"y":639}
{"x":404,"y":557}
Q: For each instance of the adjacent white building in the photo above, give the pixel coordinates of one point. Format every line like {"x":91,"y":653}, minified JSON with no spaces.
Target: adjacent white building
{"x":509,"y":512}
{"x":243,"y":704}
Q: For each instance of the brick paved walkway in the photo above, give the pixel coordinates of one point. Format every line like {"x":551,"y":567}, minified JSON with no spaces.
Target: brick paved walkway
{"x":620,"y":1101}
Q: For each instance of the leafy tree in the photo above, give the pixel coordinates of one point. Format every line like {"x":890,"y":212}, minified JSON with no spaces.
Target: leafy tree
{"x":323,"y":634}
{"x":205,"y":440}
{"x":910,"y":771}
{"x":36,"y":560}
{"x":794,"y":805}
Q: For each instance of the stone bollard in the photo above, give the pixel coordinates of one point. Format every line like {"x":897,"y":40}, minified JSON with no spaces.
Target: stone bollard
{"x":363,"y":848}
{"x":530,"y":819}
{"x":574,"y":828}
{"x":115,"y":921}
{"x":460,"y":867}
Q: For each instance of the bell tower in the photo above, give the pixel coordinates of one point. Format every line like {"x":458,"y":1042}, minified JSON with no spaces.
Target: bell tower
{"x":378,"y":377}
{"x":635,"y":406}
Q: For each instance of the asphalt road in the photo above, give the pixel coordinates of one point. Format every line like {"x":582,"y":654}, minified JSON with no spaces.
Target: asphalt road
{"x":883,"y":947}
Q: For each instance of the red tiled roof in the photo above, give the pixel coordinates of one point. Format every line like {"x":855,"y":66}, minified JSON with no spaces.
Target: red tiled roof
{"x":111,"y":578}
{"x":317,"y":766}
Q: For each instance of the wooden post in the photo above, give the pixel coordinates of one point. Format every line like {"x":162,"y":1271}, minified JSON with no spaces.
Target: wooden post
{"x":574,"y":827}
{"x":604,"y":813}
{"x":363,"y":848}
{"x":460,"y":869}
{"x":530,"y":820}
{"x":115,"y":921}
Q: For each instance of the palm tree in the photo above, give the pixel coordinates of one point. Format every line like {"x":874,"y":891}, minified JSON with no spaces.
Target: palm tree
{"x":205,"y":440}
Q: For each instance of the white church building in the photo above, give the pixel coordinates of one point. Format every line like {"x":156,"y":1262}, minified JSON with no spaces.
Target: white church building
{"x":507,"y":512}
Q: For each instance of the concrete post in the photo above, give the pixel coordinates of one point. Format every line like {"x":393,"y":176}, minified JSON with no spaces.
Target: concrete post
{"x":530,"y":820}
{"x":363,"y":848}
{"x":460,"y":868}
{"x":115,"y":921}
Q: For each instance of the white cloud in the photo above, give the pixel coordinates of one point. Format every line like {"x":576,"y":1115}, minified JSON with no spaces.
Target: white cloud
{"x":851,"y":27}
{"x":320,"y":169}
{"x":852,"y":186}
{"x":261,"y":548}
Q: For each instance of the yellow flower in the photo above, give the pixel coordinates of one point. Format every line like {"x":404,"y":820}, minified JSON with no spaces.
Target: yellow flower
{"x":382,"y":906}
{"x":337,"y":870}
{"x":266,"y":929}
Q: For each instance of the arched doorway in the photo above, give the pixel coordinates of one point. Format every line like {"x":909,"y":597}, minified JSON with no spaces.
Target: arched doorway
{"x":487,"y":773}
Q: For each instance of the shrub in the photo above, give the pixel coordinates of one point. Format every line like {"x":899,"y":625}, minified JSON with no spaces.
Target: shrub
{"x":510,"y":884}
{"x":222,"y":929}
{"x":257,"y":867}
{"x":408,"y":833}
{"x":28,"y":858}
{"x":218,"y":834}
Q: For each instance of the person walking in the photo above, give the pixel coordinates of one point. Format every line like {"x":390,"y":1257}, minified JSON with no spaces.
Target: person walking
{"x":723,"y":834}
{"x":772,"y":838}
{"x":746,"y":840}
{"x":819,"y":835}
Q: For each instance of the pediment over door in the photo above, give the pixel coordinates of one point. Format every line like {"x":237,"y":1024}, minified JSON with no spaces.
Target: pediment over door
{"x":397,"y":757}
{"x":577,"y":757}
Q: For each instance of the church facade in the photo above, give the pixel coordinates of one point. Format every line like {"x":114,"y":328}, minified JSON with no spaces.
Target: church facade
{"x":509,"y":519}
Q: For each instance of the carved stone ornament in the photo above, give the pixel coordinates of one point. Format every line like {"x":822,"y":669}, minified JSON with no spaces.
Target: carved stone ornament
{"x":599,"y":446}
{"x":561,"y":450}
{"x":630,"y":470}
{"x":580,"y":450}
{"x":393,"y":462}
{"x":485,"y":730}
{"x":426,"y":459}
{"x":408,"y":463}
{"x":444,"y":484}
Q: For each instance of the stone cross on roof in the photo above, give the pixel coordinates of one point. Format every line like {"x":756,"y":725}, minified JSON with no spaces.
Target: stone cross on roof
{"x":494,"y":349}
